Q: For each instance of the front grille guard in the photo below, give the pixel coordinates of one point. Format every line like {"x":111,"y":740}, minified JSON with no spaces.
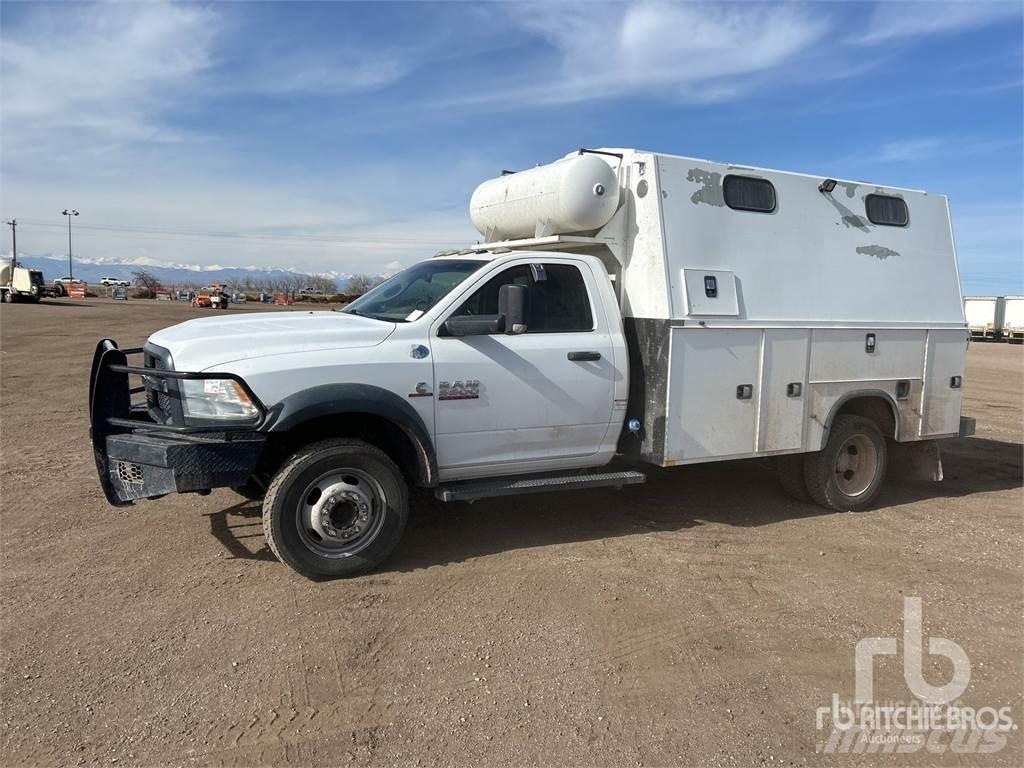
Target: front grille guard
{"x":112,"y":410}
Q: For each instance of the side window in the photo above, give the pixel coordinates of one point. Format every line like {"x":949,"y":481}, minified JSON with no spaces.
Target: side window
{"x":558,"y":299}
{"x":747,"y":193}
{"x":887,"y":210}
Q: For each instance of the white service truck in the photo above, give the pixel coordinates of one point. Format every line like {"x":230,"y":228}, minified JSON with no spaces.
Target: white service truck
{"x":20,"y":283}
{"x":626,"y":309}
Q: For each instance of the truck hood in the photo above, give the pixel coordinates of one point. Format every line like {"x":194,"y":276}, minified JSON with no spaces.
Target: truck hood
{"x":200,"y":344}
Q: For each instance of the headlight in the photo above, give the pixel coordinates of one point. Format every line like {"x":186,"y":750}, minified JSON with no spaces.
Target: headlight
{"x":217,"y":399}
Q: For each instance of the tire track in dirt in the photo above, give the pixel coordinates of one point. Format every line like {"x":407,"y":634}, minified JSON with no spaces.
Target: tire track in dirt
{"x":283,"y":723}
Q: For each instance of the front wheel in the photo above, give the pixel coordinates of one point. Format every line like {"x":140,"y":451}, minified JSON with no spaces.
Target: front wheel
{"x":335,"y":508}
{"x":848,"y":474}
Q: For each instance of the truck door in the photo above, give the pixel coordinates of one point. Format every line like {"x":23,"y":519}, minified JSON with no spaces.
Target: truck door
{"x":538,"y":397}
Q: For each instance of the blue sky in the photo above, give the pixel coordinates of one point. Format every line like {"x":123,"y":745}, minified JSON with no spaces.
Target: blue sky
{"x":347,"y":137}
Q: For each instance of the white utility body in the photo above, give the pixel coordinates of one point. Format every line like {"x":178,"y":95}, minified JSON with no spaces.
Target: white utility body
{"x":624,"y":305}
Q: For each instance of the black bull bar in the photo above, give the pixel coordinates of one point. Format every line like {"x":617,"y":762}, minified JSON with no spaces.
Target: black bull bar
{"x":138,"y":457}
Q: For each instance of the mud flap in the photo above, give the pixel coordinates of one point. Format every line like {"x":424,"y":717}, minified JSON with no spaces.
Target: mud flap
{"x":920,"y":460}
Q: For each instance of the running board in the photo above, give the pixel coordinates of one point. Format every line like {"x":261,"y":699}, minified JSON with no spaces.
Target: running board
{"x":481,"y":489}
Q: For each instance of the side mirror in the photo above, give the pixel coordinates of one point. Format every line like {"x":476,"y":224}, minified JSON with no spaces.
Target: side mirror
{"x":474,"y":325}
{"x":514,"y":307}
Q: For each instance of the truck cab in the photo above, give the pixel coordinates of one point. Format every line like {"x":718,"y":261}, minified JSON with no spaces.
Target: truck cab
{"x":625,"y":308}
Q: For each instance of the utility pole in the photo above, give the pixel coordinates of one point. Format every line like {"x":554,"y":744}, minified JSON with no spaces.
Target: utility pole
{"x":13,"y":224}
{"x":69,"y":212}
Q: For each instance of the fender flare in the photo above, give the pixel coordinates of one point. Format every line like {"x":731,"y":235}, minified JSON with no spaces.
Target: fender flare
{"x":856,"y":395}
{"x":337,"y":399}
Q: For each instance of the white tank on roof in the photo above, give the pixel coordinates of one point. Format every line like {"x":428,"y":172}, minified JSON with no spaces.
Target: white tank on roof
{"x":575,"y":194}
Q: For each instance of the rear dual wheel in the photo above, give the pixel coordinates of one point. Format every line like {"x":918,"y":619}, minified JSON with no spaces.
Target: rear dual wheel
{"x":335,"y":508}
{"x":847,"y":474}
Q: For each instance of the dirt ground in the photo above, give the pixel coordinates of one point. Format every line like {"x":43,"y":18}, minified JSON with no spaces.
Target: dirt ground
{"x":700,"y":619}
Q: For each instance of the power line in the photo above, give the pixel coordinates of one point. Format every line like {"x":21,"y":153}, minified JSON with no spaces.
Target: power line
{"x":222,"y":235}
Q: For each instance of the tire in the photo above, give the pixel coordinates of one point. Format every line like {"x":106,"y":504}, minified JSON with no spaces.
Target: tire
{"x":790,"y":469}
{"x":848,"y":474}
{"x":351,"y":531}
{"x":8,"y":297}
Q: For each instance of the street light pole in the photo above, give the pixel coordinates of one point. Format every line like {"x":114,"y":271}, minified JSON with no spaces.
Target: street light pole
{"x":69,"y":212}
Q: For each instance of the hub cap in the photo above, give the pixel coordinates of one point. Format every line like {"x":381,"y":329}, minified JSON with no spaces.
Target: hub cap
{"x":856,"y":465}
{"x":340,"y":512}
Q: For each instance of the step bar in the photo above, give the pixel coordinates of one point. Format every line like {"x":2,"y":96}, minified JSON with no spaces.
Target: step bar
{"x":514,"y":486}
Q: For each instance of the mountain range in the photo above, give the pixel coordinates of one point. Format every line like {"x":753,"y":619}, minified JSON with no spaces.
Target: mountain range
{"x":91,"y":271}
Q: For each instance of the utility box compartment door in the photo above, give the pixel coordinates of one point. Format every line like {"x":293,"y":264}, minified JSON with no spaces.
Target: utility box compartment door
{"x":711,"y":292}
{"x":712,"y":393}
{"x":940,"y":405}
{"x":783,"y":389}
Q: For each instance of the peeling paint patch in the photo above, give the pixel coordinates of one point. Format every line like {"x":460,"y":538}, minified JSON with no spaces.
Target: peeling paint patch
{"x":880,"y":252}
{"x":848,"y":217}
{"x":710,"y":192}
{"x":848,"y":187}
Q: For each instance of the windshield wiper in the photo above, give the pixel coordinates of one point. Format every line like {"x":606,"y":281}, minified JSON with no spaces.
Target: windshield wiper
{"x":372,"y":316}
{"x":363,"y":314}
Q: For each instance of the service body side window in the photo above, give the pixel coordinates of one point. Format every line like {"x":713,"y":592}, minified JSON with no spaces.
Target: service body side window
{"x":558,"y":300}
{"x":887,"y":210}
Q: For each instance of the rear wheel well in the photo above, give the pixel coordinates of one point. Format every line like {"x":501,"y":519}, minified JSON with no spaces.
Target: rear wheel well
{"x":375,"y":430}
{"x":874,"y":407}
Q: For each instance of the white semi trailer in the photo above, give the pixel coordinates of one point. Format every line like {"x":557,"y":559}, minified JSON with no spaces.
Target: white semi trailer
{"x":625,"y":309}
{"x":985,"y":317}
{"x":1013,"y":319}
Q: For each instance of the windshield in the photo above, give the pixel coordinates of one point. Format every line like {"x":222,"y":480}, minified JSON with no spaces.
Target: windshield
{"x":407,"y":295}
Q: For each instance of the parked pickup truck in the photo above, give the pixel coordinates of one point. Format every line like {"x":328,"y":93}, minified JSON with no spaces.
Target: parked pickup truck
{"x":627,"y":309}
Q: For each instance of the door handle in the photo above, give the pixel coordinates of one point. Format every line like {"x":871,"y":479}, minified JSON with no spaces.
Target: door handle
{"x":582,"y":357}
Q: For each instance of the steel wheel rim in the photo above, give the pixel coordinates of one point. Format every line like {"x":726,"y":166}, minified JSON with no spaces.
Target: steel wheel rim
{"x":340,"y":512}
{"x":856,"y":465}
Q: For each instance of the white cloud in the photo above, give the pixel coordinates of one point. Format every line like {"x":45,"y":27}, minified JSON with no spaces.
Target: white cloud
{"x":694,"y":52}
{"x":347,"y":68}
{"x":81,"y":75}
{"x":900,"y":19}
{"x":909,"y":150}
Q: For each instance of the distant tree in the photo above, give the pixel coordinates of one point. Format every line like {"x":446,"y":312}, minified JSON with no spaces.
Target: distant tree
{"x":146,"y":283}
{"x":360,"y":284}
{"x":321,"y":284}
